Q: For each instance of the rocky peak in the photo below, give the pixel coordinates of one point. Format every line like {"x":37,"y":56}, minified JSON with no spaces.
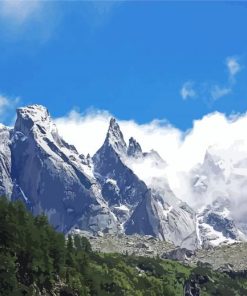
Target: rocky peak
{"x":115,"y":137}
{"x":214,"y":163}
{"x":33,"y":115}
{"x":134,"y":148}
{"x":158,"y":160}
{"x":35,"y":120}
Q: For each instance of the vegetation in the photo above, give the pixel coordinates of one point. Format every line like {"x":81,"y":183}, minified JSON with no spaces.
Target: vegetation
{"x":37,"y":260}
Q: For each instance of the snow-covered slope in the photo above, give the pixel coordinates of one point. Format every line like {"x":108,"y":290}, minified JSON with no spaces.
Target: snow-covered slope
{"x":216,"y":225}
{"x":218,"y":188}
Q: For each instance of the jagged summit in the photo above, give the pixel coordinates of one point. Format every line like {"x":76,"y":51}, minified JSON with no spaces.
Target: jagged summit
{"x":119,"y":183}
{"x":157,"y":159}
{"x":36,"y":113}
{"x":115,"y":137}
{"x":134,"y":148}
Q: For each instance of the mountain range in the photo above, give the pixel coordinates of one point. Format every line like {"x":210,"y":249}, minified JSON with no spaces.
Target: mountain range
{"x":104,"y":194}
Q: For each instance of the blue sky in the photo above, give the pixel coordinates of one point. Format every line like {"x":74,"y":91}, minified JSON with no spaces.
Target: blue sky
{"x":139,"y":60}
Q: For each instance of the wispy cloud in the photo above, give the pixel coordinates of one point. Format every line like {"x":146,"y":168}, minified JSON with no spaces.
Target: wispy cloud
{"x":234,"y":67}
{"x":187,"y":91}
{"x":218,"y":92}
{"x":4,"y":103}
{"x":18,"y":16}
{"x":18,"y":11}
{"x":29,"y":20}
{"x":211,"y":92}
{"x":7,"y":106}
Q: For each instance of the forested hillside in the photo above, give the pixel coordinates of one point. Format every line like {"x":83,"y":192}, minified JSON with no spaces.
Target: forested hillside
{"x":37,"y":260}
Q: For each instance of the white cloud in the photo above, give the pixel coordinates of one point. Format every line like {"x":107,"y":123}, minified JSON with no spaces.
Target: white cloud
{"x":187,"y":90}
{"x":4,"y":102}
{"x":233,"y":66}
{"x":218,"y":92}
{"x":213,"y":91}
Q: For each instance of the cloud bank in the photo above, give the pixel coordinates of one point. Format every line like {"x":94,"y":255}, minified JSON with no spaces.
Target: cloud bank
{"x":87,"y":132}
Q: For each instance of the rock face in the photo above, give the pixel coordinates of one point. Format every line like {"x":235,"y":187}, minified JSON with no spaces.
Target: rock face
{"x":160,"y":214}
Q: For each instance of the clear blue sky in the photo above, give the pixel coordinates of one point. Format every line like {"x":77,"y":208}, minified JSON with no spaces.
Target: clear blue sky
{"x":131,"y":58}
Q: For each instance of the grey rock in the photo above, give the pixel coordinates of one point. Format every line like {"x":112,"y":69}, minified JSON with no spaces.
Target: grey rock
{"x":179,"y":254}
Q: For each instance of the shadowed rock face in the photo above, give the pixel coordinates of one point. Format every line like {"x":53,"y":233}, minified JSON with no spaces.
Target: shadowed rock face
{"x":140,"y":222}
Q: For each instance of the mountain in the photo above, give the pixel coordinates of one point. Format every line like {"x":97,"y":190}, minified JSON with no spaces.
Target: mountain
{"x":142,"y":209}
{"x":110,"y":192}
{"x":216,"y":186}
{"x":121,"y":188}
{"x":119,"y":183}
{"x":51,"y":177}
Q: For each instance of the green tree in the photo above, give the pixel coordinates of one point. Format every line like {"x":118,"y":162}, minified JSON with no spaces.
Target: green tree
{"x":8,"y":281}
